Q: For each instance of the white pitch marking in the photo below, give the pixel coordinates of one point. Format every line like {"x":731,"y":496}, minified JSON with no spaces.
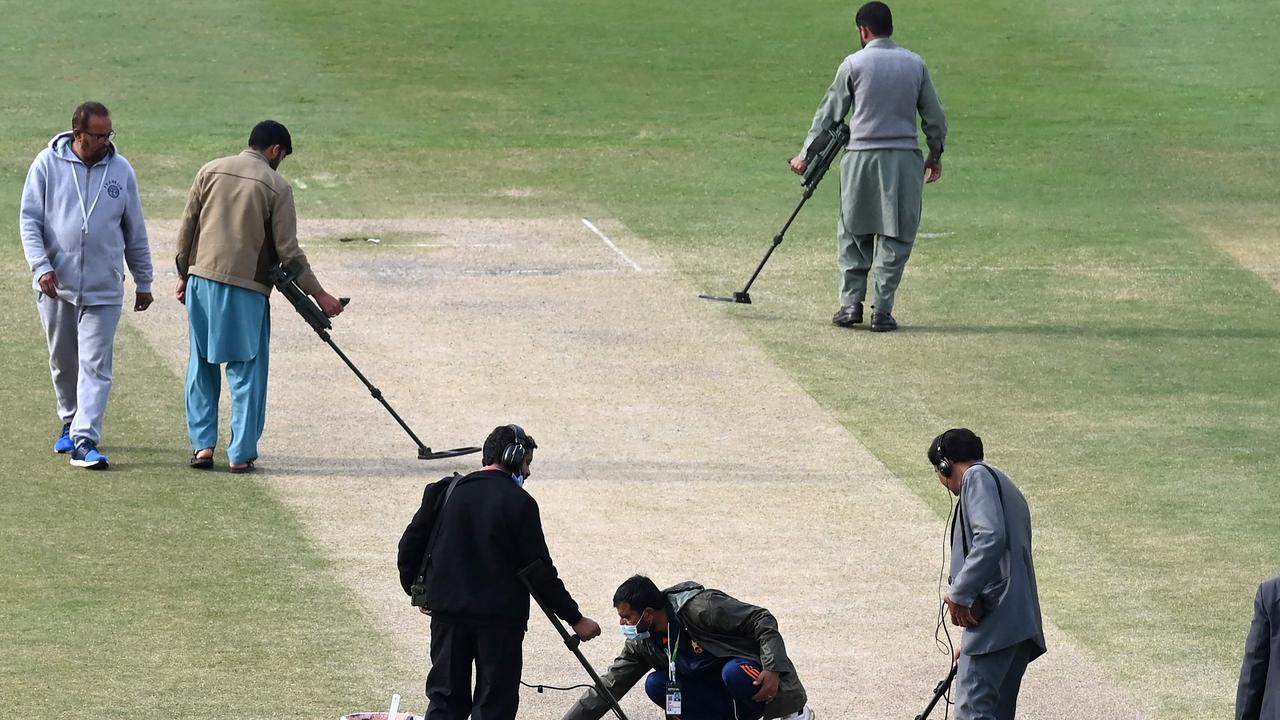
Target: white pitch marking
{"x":534,"y":272}
{"x":935,"y":235}
{"x":450,"y":245}
{"x":607,"y":241}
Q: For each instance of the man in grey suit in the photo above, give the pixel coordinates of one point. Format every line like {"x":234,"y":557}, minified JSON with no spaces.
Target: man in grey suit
{"x":1258,"y":696}
{"x":993,"y":592}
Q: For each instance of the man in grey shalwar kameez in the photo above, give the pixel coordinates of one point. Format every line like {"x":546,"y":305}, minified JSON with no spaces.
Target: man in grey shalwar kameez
{"x":882,"y":175}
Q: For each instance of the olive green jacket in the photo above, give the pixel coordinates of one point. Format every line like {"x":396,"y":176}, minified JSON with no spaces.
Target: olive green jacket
{"x":720,"y":625}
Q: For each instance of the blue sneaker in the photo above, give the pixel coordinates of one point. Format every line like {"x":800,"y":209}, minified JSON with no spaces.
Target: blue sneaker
{"x":86,"y":455}
{"x":64,"y":444}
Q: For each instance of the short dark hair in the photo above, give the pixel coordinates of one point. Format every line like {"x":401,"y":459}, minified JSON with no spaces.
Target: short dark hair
{"x":268,"y":133}
{"x":86,"y":110}
{"x":956,"y":445}
{"x":498,"y":440}
{"x":640,"y":593}
{"x":876,"y":17}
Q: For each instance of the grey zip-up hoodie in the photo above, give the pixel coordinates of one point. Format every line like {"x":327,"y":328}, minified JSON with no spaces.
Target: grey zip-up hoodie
{"x":84,"y":223}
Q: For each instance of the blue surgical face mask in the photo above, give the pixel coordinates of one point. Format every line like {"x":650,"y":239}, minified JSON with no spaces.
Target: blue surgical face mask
{"x":519,"y":480}
{"x":632,"y":632}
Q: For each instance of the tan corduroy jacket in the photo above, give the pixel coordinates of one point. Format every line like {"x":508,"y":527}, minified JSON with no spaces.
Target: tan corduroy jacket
{"x":239,"y":222}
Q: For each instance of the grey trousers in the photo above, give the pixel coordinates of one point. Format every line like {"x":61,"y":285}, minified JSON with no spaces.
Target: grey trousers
{"x":81,"y":343}
{"x":881,"y":199}
{"x":987,"y":685}
{"x":859,"y":255}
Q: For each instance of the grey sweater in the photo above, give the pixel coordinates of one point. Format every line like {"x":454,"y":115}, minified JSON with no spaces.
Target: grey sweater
{"x":885,"y":86}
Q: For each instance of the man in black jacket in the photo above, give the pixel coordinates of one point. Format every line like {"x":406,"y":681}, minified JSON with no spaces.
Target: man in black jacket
{"x":489,"y":530}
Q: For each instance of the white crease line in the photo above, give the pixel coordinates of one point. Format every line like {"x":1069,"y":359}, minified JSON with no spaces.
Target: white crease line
{"x":449,"y":245}
{"x":533,"y":272}
{"x":935,"y":235}
{"x":607,"y":241}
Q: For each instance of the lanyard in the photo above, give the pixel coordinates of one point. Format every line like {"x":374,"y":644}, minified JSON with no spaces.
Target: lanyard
{"x":85,"y":214}
{"x":673,"y":649}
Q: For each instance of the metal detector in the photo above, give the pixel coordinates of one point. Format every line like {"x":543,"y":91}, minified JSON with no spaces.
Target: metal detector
{"x":571,"y":641}
{"x":938,"y":692}
{"x":818,"y":158}
{"x":285,"y":277}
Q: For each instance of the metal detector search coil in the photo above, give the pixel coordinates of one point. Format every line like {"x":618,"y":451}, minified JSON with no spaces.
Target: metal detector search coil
{"x":285,"y":277}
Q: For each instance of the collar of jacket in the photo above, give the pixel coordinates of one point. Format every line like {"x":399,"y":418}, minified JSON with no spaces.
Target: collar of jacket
{"x":679,"y":595}
{"x":496,"y":473}
{"x":255,"y":154}
{"x":882,"y":43}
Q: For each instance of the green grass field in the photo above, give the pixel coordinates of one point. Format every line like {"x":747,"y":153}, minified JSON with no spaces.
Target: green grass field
{"x":1076,"y":309}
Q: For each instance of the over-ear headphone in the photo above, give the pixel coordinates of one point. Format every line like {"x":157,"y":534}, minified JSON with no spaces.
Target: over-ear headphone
{"x":944,"y":465}
{"x":513,"y":454}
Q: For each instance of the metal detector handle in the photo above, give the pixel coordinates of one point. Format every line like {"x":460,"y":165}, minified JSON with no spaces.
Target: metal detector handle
{"x":938,"y":692}
{"x":285,"y":277}
{"x":571,"y":641}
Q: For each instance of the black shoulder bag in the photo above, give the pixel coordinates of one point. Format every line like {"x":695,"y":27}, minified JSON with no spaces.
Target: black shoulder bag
{"x":418,"y":591}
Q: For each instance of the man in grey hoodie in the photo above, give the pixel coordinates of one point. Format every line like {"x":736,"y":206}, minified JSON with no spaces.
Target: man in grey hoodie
{"x":81,"y":221}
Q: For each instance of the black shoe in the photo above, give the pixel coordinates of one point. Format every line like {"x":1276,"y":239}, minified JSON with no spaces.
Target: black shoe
{"x":848,"y":316}
{"x":883,"y":322}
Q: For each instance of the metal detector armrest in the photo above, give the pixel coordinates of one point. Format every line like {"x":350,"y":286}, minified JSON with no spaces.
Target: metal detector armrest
{"x":285,"y":278}
{"x":822,"y":152}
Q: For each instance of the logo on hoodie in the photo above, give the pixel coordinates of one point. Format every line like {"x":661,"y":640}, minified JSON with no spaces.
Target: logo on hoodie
{"x":113,"y":189}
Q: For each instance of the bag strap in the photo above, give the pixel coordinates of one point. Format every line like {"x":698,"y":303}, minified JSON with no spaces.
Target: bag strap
{"x":435,"y":528}
{"x":964,"y":535}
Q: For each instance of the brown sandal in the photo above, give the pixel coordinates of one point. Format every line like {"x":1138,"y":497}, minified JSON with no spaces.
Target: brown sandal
{"x":247,"y":467}
{"x":201,"y":463}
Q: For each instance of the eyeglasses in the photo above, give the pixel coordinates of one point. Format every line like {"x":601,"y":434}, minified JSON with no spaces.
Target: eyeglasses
{"x":102,"y":137}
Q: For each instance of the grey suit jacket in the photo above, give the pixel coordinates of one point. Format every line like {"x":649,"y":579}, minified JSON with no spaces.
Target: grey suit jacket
{"x":991,"y":567}
{"x":1258,"y":695}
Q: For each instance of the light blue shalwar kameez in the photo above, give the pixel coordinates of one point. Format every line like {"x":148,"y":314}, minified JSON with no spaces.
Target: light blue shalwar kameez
{"x":228,"y":325}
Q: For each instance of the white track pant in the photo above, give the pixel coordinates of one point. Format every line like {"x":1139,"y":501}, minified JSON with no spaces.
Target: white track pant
{"x":81,"y":342}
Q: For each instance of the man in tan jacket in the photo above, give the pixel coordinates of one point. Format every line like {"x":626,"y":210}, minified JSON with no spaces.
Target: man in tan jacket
{"x":239,"y":222}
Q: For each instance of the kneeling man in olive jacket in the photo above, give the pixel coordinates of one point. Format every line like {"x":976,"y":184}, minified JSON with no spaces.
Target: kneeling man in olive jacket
{"x":708,"y":656}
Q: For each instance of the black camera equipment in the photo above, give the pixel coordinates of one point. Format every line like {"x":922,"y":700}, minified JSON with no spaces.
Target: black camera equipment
{"x":571,"y":641}
{"x":818,"y":158}
{"x":941,"y":689}
{"x":284,"y":277}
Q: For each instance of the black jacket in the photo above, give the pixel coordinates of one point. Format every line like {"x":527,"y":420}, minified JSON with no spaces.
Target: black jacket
{"x":1258,"y":694}
{"x":490,"y":530}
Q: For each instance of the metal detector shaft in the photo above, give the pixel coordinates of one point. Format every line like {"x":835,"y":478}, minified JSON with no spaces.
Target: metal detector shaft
{"x":821,"y":153}
{"x":777,"y":240}
{"x":571,"y":641}
{"x":938,"y":692}
{"x":284,"y":277}
{"x":374,"y":391}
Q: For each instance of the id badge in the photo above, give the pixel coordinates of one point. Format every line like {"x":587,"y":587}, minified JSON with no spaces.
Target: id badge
{"x":673,"y":699}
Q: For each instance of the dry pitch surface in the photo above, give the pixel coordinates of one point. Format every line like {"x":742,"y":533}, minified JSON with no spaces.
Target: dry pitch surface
{"x":669,"y":445}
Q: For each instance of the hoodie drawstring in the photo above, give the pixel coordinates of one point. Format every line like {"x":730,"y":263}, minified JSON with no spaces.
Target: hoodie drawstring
{"x":85,"y":214}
